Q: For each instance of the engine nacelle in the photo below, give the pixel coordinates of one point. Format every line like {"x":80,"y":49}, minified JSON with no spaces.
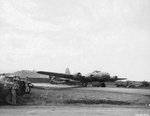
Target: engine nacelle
{"x":77,"y":75}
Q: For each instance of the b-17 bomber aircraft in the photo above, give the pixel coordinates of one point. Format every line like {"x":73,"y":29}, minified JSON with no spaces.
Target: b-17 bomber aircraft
{"x":96,"y":76}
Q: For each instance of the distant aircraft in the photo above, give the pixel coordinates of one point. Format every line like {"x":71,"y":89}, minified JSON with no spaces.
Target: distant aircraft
{"x":95,"y":76}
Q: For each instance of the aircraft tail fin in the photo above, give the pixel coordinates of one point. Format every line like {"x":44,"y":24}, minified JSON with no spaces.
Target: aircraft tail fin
{"x":67,"y":71}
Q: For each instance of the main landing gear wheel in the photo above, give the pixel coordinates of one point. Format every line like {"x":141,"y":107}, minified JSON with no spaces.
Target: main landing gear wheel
{"x":103,"y":84}
{"x":84,"y":84}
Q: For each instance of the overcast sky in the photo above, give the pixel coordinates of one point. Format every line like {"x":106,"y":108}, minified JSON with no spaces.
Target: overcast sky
{"x":84,"y":35}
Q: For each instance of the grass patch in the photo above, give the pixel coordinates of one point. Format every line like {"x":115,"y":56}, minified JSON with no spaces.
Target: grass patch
{"x":79,"y":96}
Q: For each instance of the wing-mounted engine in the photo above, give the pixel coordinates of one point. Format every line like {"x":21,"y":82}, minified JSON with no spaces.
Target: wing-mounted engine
{"x":77,"y":75}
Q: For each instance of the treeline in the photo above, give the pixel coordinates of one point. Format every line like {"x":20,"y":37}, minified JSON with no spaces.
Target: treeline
{"x":133,"y":84}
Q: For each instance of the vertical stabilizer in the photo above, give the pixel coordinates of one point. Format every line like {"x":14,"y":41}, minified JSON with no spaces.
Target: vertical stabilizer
{"x":67,"y":71}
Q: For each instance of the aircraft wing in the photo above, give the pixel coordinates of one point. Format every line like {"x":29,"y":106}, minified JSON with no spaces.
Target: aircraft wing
{"x":117,"y":79}
{"x":121,"y":78}
{"x":61,"y":75}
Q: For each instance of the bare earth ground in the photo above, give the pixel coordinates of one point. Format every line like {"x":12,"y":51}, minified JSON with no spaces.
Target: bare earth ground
{"x":56,"y":100}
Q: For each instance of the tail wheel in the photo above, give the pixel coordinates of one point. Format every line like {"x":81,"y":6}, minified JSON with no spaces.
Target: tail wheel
{"x":84,"y":84}
{"x":103,"y":84}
